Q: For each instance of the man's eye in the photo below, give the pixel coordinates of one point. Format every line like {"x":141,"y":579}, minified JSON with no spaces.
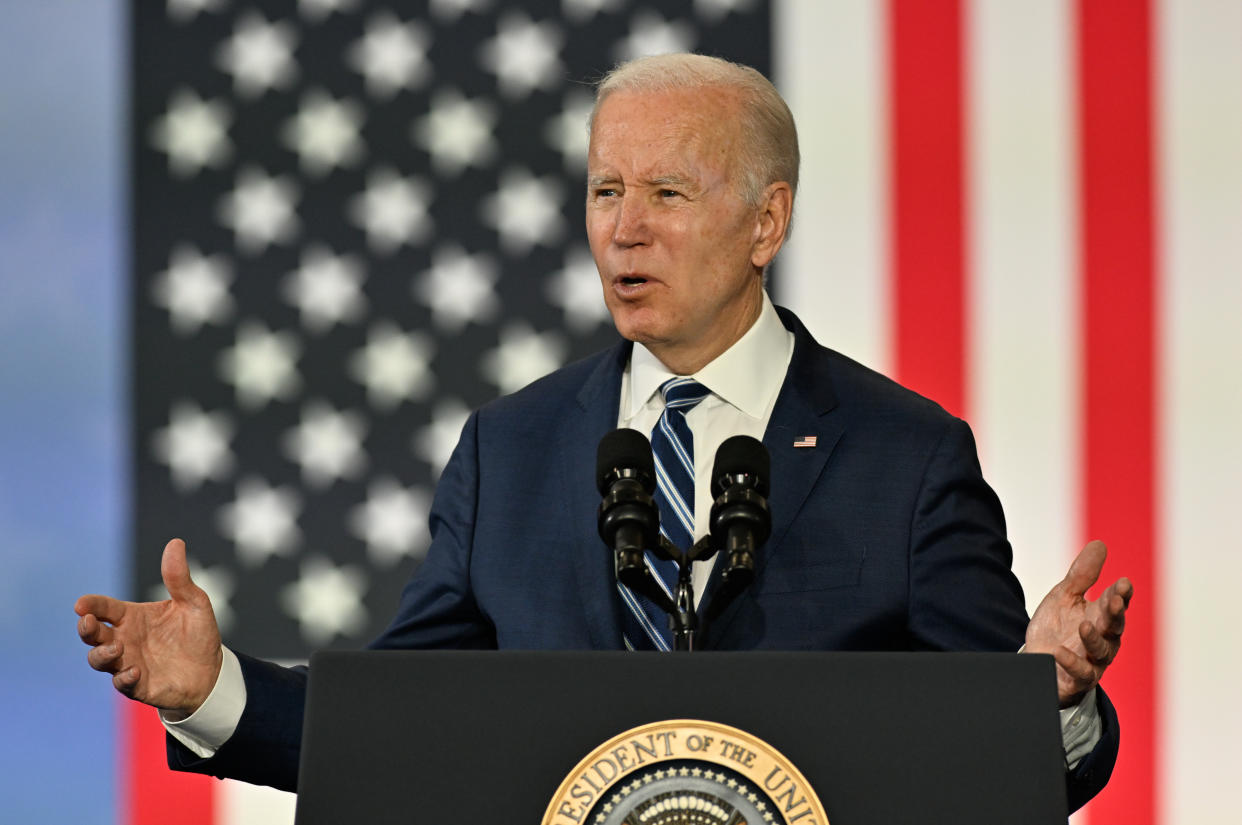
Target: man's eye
{"x":669,"y":193}
{"x":606,"y":192}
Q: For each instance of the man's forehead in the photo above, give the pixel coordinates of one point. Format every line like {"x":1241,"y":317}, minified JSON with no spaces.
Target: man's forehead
{"x":671,"y":133}
{"x":669,"y":160}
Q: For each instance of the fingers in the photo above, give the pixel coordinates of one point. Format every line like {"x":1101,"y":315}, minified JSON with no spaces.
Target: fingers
{"x":110,"y":658}
{"x":104,"y":608}
{"x":1114,"y":609}
{"x":106,"y":657}
{"x":1110,"y":609}
{"x":1079,"y":670}
{"x":1124,"y":588}
{"x":126,"y":681}
{"x":1086,"y":567}
{"x":1075,"y":675}
{"x":1100,"y":649}
{"x":94,"y":632}
{"x":175,"y":571}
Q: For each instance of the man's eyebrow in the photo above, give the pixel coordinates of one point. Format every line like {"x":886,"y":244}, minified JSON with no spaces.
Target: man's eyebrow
{"x":662,"y":180}
{"x":671,"y":180}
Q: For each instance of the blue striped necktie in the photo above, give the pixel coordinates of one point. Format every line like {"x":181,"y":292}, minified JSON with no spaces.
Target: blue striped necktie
{"x":672,"y":445}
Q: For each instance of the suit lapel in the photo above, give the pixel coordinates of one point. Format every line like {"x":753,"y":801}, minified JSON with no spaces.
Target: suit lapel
{"x":593,"y":415}
{"x":801,"y":412}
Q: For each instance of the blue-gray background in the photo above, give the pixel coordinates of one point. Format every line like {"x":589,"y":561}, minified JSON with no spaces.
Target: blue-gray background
{"x":62,"y":394}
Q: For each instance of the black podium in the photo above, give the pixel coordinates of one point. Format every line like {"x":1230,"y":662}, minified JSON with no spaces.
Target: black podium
{"x":490,"y":737}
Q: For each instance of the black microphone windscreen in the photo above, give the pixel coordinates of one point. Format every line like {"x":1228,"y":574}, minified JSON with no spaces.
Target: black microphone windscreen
{"x":622,"y":449}
{"x":741,"y":455}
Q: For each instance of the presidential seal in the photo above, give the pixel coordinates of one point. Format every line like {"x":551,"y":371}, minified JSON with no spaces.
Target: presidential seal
{"x":685,"y":772}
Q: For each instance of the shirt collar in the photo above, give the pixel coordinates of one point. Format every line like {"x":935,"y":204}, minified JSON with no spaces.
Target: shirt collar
{"x":742,"y":375}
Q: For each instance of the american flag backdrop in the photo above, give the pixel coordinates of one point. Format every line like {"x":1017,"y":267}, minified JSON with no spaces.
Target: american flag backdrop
{"x":354,"y":221}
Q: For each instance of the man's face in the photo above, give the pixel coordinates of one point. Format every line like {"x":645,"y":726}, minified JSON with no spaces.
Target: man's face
{"x":675,"y":243}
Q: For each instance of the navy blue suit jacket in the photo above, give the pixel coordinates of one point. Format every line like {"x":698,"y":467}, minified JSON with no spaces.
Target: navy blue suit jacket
{"x":885,"y":537}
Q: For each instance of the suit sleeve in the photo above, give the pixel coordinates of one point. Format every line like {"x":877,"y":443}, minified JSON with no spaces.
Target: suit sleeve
{"x":266,"y":746}
{"x":963,"y":594}
{"x":1091,"y":774}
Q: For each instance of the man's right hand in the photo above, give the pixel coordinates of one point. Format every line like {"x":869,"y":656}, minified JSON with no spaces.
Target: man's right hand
{"x":165,"y":654}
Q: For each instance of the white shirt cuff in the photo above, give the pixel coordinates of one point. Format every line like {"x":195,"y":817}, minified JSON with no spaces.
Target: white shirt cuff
{"x":209,"y":727}
{"x":1080,"y":729}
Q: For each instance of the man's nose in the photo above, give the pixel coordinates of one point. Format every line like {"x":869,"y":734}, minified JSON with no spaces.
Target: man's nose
{"x":631,"y":228}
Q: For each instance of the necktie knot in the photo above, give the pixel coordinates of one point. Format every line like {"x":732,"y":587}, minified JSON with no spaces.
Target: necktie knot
{"x":682,"y":394}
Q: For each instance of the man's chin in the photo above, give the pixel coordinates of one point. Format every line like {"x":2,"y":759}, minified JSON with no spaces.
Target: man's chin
{"x":638,"y":324}
{"x":641,"y":335}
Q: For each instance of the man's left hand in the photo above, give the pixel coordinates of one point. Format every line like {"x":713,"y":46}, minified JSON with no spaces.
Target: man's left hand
{"x":1083,"y":636}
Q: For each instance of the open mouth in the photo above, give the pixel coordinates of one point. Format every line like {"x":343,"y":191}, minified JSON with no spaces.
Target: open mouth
{"x":633,"y":280}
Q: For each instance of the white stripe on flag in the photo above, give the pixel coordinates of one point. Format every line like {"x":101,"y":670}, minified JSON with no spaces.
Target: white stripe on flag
{"x":828,"y":61}
{"x":1023,"y":344}
{"x":1199,"y":87}
{"x":238,"y":803}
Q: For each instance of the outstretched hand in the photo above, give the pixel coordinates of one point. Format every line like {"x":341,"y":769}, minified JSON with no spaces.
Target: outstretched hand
{"x":1083,"y":636}
{"x":165,"y":654}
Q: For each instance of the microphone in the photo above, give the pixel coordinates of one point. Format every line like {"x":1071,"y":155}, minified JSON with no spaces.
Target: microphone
{"x":629,"y":521}
{"x":740,"y":518}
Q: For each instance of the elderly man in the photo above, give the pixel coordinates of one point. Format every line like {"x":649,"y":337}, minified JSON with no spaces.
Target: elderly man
{"x":884,"y":537}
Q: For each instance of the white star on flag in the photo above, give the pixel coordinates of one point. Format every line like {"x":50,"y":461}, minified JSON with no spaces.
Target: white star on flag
{"x":457,"y":132}
{"x":458,"y":288}
{"x":194,"y":289}
{"x":259,"y":55}
{"x":522,"y":356}
{"x":526,"y":211}
{"x":567,"y":132}
{"x":327,"y":444}
{"x":524,"y":55}
{"x":326,"y":600}
{"x":581,"y":11}
{"x":576,"y":290}
{"x":435,"y":442}
{"x":261,"y":520}
{"x":195,"y":445}
{"x":326,"y":289}
{"x":713,"y":11}
{"x":392,"y":521}
{"x":391,"y":55}
{"x":193,"y":133}
{"x":260,"y":365}
{"x":447,"y":11}
{"x":324,"y":133}
{"x":392,"y":210}
{"x":260,"y":211}
{"x":394,"y":366}
{"x":652,"y":34}
{"x":183,"y":11}
{"x":317,"y":11}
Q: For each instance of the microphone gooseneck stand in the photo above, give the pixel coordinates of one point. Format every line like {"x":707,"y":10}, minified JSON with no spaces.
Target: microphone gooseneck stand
{"x":629,"y":523}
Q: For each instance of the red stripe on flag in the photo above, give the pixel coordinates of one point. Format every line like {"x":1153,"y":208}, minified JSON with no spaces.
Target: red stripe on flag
{"x":928,"y":193}
{"x":1118,"y":281}
{"x":151,"y":793}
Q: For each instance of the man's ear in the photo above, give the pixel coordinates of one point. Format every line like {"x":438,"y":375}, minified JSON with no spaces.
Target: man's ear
{"x":771,"y":223}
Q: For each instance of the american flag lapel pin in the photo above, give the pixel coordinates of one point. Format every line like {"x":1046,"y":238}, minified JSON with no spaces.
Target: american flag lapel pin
{"x":806,"y":441}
